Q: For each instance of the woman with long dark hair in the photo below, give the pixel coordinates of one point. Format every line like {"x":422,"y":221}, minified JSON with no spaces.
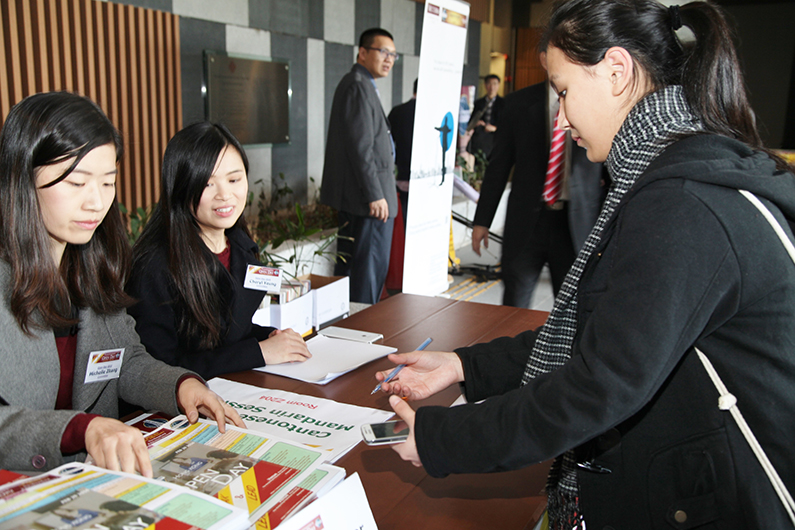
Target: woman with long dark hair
{"x":679,"y":264}
{"x":63,"y":260}
{"x":190,"y":263}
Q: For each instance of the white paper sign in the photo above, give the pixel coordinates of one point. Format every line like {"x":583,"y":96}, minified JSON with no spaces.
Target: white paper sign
{"x":343,"y":508}
{"x":330,"y":359}
{"x":263,"y":278}
{"x":333,"y":427}
{"x":104,"y":365}
{"x":444,"y":30}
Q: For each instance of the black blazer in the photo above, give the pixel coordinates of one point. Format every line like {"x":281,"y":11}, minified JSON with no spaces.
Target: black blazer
{"x":156,"y":320}
{"x":496,"y":108}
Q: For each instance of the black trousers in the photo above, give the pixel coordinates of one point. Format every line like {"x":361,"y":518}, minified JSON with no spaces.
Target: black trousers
{"x":365,"y":244}
{"x":522,"y":261}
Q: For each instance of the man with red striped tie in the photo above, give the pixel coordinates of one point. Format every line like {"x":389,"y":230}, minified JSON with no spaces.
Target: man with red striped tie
{"x":556,"y":193}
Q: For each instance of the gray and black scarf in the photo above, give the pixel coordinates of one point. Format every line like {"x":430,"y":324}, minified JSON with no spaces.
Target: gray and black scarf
{"x":653,"y":124}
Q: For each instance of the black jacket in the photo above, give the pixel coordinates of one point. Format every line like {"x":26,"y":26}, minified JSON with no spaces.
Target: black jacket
{"x":401,"y":118}
{"x":685,"y":261}
{"x":521,"y":143}
{"x":481,"y":139}
{"x":156,"y":321}
{"x":496,"y":108}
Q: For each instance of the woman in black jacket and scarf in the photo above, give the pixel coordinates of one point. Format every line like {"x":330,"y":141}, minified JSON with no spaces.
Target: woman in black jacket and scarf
{"x":190,"y":263}
{"x":679,"y":259}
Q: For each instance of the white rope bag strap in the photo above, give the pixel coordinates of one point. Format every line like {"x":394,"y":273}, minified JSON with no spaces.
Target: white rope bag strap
{"x":728,"y":401}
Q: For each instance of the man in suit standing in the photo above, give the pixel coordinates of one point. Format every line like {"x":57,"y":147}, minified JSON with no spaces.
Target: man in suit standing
{"x":358,"y":173}
{"x":485,"y":114}
{"x":536,"y":232}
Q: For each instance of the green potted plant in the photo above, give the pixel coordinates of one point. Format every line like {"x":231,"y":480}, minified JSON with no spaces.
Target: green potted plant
{"x":293,"y":237}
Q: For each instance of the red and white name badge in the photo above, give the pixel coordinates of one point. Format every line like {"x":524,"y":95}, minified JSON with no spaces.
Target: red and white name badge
{"x":263,"y":278}
{"x":104,"y":365}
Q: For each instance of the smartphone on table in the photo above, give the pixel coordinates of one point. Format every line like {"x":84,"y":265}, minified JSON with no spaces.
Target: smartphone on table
{"x":389,"y":432}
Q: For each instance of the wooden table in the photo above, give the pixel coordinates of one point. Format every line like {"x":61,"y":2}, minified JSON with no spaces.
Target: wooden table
{"x":400,"y":495}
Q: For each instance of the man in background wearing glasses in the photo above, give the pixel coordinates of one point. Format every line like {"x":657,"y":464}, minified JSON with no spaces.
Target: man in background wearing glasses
{"x":358,"y":172}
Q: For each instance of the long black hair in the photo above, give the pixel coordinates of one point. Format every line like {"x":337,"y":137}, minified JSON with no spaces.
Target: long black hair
{"x":41,"y":130}
{"x":707,"y":68}
{"x":197,"y":275}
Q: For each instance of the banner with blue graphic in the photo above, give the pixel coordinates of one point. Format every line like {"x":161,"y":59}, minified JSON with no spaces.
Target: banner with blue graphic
{"x":444,"y":31}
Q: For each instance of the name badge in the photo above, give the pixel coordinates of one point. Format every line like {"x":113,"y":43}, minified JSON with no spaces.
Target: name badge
{"x":104,"y":365}
{"x":263,"y":278}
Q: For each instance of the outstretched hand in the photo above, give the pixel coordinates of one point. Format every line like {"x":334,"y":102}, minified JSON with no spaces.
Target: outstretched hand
{"x":425,"y":374}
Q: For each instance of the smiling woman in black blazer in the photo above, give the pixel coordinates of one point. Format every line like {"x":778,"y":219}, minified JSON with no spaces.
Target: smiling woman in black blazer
{"x":190,"y":263}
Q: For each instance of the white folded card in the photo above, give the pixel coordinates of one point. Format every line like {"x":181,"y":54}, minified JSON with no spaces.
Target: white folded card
{"x":331,"y":358}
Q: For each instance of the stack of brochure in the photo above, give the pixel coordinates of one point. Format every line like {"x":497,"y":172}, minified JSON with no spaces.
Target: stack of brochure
{"x":78,"y":496}
{"x":290,"y":290}
{"x":203,"y":479}
{"x":268,"y":477}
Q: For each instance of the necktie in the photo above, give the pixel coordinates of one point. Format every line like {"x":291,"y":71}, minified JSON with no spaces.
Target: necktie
{"x":552,"y":184}
{"x":487,"y":111}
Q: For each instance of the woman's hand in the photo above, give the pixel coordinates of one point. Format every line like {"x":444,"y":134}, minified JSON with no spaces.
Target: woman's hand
{"x":117,"y":447}
{"x":194,"y":397}
{"x":408,"y":449}
{"x":284,"y":346}
{"x":425,"y":373}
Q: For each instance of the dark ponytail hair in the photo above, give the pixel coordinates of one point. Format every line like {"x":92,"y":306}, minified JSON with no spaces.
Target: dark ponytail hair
{"x":196,"y":274}
{"x":41,"y":130}
{"x":707,"y":69}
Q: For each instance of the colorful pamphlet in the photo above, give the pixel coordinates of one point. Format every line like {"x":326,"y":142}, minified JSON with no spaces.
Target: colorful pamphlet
{"x":246,"y":469}
{"x":317,"y":484}
{"x":345,"y":506}
{"x":331,"y":427}
{"x":84,"y":496}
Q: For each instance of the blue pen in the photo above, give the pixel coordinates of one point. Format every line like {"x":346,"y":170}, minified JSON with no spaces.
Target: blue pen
{"x":399,"y":367}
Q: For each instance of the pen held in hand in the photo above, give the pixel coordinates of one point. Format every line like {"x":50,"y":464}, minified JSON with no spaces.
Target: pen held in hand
{"x":399,"y":367}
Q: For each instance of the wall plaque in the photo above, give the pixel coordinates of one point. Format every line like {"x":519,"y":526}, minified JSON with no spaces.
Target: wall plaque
{"x":250,"y":96}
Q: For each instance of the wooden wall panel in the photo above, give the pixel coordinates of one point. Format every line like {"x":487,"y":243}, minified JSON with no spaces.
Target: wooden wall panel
{"x":125,"y":58}
{"x":528,"y":66}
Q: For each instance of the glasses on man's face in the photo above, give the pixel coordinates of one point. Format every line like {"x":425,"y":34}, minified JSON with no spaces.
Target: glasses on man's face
{"x":385,"y":54}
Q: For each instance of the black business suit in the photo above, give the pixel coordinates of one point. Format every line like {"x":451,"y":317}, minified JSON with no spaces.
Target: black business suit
{"x":481,"y":139}
{"x":535,"y":235}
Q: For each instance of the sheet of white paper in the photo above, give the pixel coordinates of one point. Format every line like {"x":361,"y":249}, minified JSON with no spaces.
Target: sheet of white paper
{"x":330,"y":359}
{"x":345,"y":508}
{"x":334,"y":428}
